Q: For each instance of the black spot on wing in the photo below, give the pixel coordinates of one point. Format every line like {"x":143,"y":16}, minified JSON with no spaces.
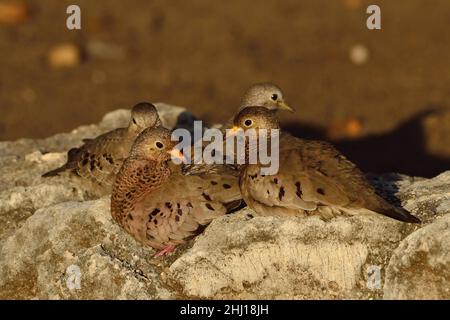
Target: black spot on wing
{"x":207,"y":197}
{"x":299,"y":192}
{"x":154,"y":212}
{"x":281,"y":193}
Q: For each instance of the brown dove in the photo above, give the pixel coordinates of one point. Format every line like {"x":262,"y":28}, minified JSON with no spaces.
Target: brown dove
{"x":313,"y":178}
{"x":267,"y":95}
{"x":96,"y":162}
{"x":158,"y":205}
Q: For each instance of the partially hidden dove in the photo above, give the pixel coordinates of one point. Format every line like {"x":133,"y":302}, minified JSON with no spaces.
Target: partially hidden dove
{"x":158,"y":205}
{"x":267,"y":95}
{"x":313,"y":178}
{"x":95,"y":164}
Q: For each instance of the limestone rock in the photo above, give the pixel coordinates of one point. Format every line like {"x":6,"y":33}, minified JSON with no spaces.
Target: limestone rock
{"x":242,"y":256}
{"x":55,"y":244}
{"x":420,"y":266}
{"x":76,"y":243}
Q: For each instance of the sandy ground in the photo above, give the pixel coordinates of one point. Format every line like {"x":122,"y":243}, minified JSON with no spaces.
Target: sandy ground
{"x":202,"y":54}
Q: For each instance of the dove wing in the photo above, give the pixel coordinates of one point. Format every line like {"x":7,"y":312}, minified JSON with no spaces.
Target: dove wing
{"x":101,"y":158}
{"x":312,"y":175}
{"x":180,"y":207}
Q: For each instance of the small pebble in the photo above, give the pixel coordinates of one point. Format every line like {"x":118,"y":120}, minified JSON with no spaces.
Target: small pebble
{"x":65,"y":55}
{"x":105,"y":50}
{"x":14,"y":12}
{"x":359,"y":54}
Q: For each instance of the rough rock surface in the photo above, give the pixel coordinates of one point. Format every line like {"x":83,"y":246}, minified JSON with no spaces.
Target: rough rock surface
{"x":420,"y":266}
{"x":56,"y":243}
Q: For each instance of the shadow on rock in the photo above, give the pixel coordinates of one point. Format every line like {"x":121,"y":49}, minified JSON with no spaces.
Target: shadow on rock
{"x":405,"y":149}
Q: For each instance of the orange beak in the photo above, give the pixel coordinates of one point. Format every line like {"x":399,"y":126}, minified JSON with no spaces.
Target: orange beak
{"x":176,"y":154}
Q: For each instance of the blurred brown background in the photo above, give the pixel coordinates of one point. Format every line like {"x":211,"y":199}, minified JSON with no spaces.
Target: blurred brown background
{"x":381,"y":96}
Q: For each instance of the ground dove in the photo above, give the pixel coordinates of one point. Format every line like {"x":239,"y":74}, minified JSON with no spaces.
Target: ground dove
{"x":313,"y":178}
{"x":98,"y":160}
{"x":158,"y":205}
{"x":267,"y":95}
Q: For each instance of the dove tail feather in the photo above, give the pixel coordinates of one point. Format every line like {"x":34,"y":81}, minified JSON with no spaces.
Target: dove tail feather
{"x":235,"y":205}
{"x":72,"y":155}
{"x":396,"y":213}
{"x":401,"y":215}
{"x":54,"y":172}
{"x":383,"y":207}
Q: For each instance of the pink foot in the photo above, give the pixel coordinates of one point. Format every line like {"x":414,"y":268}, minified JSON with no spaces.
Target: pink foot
{"x":169,"y":248}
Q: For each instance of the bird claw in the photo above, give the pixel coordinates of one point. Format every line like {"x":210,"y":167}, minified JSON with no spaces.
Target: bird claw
{"x":167,"y":249}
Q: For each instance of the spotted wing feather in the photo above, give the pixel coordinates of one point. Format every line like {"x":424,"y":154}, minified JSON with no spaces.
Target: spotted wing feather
{"x":314,"y":176}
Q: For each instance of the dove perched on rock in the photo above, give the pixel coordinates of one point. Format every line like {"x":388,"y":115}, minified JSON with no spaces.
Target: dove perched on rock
{"x":313,"y":178}
{"x":97,"y":161}
{"x":158,"y":205}
{"x":266,"y":95}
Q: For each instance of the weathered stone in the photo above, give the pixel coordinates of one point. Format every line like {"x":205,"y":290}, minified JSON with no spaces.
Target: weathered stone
{"x":44,"y":254}
{"x":242,"y":256}
{"x":420,"y":266}
{"x":49,"y":232}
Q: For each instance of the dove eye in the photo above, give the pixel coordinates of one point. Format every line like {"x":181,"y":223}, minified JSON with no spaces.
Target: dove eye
{"x":274,"y":97}
{"x":134,"y":121}
{"x":159,"y":144}
{"x":248,"y":122}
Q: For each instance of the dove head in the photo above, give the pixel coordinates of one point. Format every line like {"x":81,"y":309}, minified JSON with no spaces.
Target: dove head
{"x":255,"y":118}
{"x":267,"y":95}
{"x":144,"y":115}
{"x":154,"y":144}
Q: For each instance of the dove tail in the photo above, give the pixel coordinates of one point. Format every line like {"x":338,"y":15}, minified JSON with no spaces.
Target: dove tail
{"x":72,"y":156}
{"x":383,"y":207}
{"x":54,"y":172}
{"x":235,"y":205}
{"x":401,"y":214}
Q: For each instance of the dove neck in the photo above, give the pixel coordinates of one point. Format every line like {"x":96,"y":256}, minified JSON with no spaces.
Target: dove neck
{"x":133,"y":131}
{"x":136,"y":179}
